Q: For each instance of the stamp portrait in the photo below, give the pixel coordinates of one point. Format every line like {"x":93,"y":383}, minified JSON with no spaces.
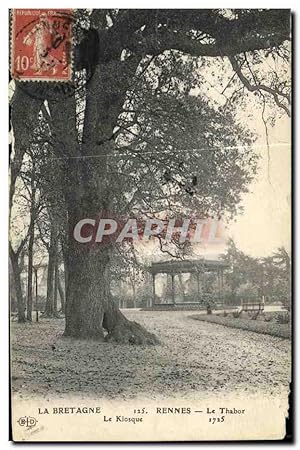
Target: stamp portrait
{"x":41,"y":45}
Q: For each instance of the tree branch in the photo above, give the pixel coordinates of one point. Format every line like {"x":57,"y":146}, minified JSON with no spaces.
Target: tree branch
{"x":247,"y":30}
{"x":259,"y":87}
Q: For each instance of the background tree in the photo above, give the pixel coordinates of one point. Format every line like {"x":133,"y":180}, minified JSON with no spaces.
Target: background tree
{"x":249,"y":277}
{"x":278,"y":276}
{"x":36,"y":199}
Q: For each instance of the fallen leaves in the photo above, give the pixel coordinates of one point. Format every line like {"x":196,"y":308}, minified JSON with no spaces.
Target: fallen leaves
{"x":195,"y":358}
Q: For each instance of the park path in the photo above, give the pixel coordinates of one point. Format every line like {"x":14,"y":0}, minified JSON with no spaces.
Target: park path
{"x":195,"y":360}
{"x":213,"y":357}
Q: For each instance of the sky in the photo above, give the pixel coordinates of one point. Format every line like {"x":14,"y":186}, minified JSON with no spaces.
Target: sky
{"x":266,"y":222}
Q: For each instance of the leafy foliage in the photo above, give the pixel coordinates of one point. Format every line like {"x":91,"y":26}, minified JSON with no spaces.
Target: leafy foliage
{"x":250,"y":277}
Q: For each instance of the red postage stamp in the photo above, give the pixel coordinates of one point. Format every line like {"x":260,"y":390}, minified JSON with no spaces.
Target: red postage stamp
{"x":41,"y":44}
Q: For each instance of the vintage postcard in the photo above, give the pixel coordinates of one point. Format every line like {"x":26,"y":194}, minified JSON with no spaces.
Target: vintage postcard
{"x":150,"y":225}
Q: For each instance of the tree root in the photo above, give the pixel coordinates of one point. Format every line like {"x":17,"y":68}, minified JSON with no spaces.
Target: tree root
{"x":125,"y":331}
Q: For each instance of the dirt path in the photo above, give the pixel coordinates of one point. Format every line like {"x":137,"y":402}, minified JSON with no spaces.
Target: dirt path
{"x":195,"y":359}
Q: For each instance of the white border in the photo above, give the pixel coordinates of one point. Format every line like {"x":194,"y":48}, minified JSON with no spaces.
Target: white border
{"x":4,"y":33}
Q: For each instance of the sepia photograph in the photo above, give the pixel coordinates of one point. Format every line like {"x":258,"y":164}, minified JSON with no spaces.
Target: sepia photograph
{"x":150,"y":254}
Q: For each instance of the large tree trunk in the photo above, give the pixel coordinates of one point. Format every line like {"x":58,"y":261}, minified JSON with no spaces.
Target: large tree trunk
{"x":12,"y":292}
{"x":18,"y":284}
{"x":55,"y":295}
{"x":87,"y":292}
{"x":30,"y":248}
{"x":50,"y":276}
{"x":90,"y":311}
{"x":61,"y":295}
{"x":50,"y":307}
{"x":30,"y":275}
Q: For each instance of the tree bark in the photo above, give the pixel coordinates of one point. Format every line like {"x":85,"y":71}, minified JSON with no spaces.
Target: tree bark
{"x":50,"y":274}
{"x":55,"y":296}
{"x":90,"y":310}
{"x":30,"y":248}
{"x":18,"y":285}
{"x":30,"y":275}
{"x":12,"y":292}
{"x":49,"y":309}
{"x":61,"y":295}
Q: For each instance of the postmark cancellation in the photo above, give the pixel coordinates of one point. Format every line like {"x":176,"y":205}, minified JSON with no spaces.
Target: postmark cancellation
{"x":41,"y":45}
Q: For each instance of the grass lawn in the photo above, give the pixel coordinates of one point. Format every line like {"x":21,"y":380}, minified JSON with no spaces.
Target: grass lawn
{"x":258,"y":326}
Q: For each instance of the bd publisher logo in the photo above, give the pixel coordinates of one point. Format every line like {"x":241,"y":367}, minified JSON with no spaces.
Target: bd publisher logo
{"x":28,"y":422}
